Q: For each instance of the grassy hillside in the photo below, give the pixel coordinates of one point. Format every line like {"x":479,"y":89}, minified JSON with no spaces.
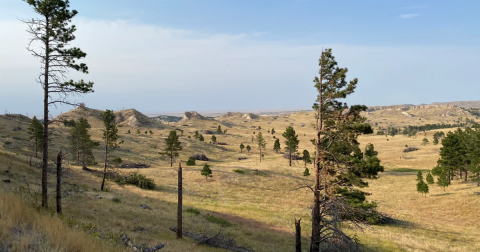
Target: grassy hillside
{"x":254,"y":202}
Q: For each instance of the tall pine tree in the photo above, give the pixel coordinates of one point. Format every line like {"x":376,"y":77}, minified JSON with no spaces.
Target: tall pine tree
{"x":172,"y":146}
{"x":110,"y":137}
{"x":53,"y":32}
{"x":291,"y":142}
{"x":338,"y":167}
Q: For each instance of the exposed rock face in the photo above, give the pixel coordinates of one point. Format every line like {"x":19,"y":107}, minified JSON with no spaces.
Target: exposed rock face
{"x":249,"y":116}
{"x":231,"y":114}
{"x":406,"y":114}
{"x":189,"y":115}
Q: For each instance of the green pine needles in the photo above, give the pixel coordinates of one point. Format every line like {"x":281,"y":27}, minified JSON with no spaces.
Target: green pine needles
{"x":206,"y":171}
{"x":422,"y":187}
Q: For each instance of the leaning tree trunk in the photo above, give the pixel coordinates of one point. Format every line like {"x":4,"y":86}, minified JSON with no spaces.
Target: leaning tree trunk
{"x":179,"y":208}
{"x":59,"y":182}
{"x":45,"y":122}
{"x":298,"y":236}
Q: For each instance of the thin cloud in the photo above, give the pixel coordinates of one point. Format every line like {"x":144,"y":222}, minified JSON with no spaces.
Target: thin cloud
{"x":415,"y":7}
{"x":408,"y":16}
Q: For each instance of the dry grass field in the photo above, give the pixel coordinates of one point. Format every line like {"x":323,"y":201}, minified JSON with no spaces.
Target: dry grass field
{"x":256,"y":204}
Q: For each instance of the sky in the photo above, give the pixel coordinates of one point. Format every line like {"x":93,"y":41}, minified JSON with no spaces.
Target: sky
{"x":181,"y":55}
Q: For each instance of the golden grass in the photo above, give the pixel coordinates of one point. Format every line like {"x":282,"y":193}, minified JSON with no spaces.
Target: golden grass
{"x":262,"y":207}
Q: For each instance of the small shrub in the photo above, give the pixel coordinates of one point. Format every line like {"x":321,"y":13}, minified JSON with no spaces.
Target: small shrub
{"x":137,"y":179}
{"x":8,"y":143}
{"x":239,"y":171}
{"x":220,"y":221}
{"x":306,"y":172}
{"x":116,"y":200}
{"x":191,"y":162}
{"x":192,"y":211}
{"x":117,"y":160}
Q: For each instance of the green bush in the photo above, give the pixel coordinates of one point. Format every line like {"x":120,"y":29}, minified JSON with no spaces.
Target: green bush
{"x":191,"y":162}
{"x":117,"y":160}
{"x":220,"y":221}
{"x":116,"y":200}
{"x":193,"y":211}
{"x":136,"y":179}
{"x":239,"y":171}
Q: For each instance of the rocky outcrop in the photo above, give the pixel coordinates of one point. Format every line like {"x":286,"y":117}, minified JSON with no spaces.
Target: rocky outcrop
{"x":250,"y":116}
{"x":189,"y":115}
{"x":231,"y":114}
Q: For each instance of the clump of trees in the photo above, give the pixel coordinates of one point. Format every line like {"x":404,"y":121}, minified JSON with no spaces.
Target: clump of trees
{"x":459,"y":156}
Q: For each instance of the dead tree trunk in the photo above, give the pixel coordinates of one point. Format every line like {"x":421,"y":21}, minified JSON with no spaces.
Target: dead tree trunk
{"x":298,"y":236}
{"x":59,"y":182}
{"x":179,"y":209}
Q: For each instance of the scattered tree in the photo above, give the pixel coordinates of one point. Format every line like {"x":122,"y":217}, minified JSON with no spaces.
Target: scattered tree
{"x":291,"y":142}
{"x":340,"y":165}
{"x":241,"y":147}
{"x":276,"y":145}
{"x":110,"y":136}
{"x":273,"y":131}
{"x":261,"y":144}
{"x":172,"y":146}
{"x":219,"y":129}
{"x":248,"y":148}
{"x":81,"y":143}
{"x":54,"y":33}
{"x":306,"y":172}
{"x":206,"y":171}
{"x":201,"y":138}
{"x":214,"y":139}
{"x":424,"y":141}
{"x":430,"y":179}
{"x":306,"y":158}
{"x":35,"y":132}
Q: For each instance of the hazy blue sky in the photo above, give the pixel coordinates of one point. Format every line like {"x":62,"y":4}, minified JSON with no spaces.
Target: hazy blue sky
{"x":175,"y":55}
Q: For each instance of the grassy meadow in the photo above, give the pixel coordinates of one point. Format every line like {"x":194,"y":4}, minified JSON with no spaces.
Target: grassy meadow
{"x":256,"y":204}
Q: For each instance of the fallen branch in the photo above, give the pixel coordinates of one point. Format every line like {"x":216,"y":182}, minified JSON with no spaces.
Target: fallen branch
{"x":217,"y":241}
{"x":142,"y":248}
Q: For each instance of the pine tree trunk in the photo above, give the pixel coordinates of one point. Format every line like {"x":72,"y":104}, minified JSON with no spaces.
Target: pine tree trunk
{"x":316,"y":218}
{"x":466,"y":175}
{"x":105,"y":168}
{"x":290,"y":157}
{"x":260,"y":153}
{"x":180,"y":202}
{"x":59,"y":182}
{"x":45,"y":121}
{"x":298,"y":236}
